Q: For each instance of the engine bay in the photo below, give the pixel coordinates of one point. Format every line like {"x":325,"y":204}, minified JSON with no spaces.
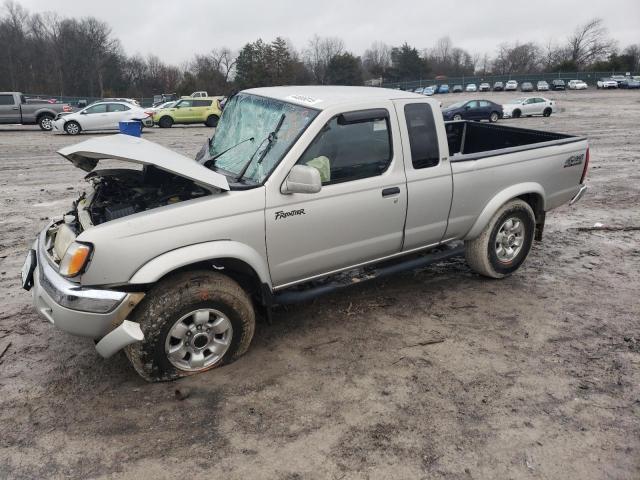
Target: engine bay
{"x":119,"y":193}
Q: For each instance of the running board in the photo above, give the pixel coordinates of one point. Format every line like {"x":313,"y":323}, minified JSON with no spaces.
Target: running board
{"x":342,"y":280}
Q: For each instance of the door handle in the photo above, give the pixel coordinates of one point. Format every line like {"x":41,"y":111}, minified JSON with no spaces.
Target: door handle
{"x":15,"y":108}
{"x":387,"y":192}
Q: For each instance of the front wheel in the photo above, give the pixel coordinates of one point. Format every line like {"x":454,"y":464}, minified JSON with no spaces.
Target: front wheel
{"x":504,"y":243}
{"x":517,"y":113}
{"x":494,"y":117}
{"x":72,"y":128}
{"x":165,"y":122}
{"x":192,"y":322}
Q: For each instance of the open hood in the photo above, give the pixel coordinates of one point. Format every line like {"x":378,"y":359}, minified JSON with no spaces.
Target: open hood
{"x":85,"y":155}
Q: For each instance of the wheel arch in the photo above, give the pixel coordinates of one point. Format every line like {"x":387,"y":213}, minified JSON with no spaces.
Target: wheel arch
{"x":530,"y":192}
{"x":237,"y":260}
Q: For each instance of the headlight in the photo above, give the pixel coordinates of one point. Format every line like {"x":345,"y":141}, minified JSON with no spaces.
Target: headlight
{"x":75,"y":259}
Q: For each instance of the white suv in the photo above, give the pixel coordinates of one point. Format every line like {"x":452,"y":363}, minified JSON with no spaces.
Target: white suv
{"x":511,"y":86}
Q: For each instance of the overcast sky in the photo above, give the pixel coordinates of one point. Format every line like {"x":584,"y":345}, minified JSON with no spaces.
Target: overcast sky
{"x":175,"y":30}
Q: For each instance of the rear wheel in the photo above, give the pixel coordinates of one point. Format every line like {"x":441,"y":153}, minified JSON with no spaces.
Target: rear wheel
{"x":192,"y":322}
{"x":72,"y":128}
{"x":165,"y":122}
{"x":45,"y":122}
{"x":547,"y":112}
{"x":517,"y":113}
{"x":504,"y":243}
{"x":494,"y":117}
{"x":212,"y":121}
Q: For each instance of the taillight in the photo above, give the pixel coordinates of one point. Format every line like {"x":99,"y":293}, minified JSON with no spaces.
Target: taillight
{"x":66,"y":108}
{"x":586,"y":166}
{"x":149,"y":113}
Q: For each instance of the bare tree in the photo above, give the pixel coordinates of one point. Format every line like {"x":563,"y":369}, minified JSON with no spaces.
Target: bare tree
{"x":319,"y":53}
{"x":225,"y":61}
{"x":377,"y":59}
{"x":589,"y":42}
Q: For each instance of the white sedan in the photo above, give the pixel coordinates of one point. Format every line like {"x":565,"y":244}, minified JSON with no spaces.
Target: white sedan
{"x":577,"y":85}
{"x":471,"y":87}
{"x":528,"y":106}
{"x":100,"y":116}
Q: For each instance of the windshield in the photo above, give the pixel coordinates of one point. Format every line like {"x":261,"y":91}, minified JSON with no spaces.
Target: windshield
{"x":249,"y":116}
{"x":518,"y":100}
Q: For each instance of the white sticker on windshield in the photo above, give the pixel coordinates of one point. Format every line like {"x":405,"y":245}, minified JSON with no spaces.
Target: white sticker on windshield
{"x":304,"y":99}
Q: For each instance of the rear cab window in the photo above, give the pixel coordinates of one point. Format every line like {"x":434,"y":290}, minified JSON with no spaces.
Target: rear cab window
{"x":7,"y":100}
{"x":423,"y":138}
{"x":351,"y":146}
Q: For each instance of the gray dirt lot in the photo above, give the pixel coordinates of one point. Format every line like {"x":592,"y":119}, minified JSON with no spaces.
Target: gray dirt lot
{"x":537,"y":377}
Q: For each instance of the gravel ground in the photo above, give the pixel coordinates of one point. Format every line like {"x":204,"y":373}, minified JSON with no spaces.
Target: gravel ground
{"x":431,"y":374}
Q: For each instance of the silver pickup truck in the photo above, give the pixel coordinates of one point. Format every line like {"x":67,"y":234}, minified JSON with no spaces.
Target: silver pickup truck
{"x":302,"y":190}
{"x":16,"y":109}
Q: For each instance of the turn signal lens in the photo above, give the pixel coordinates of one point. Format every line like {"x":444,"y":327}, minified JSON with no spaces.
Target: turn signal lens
{"x":75,"y":259}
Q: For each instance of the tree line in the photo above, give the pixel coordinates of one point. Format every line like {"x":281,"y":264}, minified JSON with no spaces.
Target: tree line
{"x":54,"y":55}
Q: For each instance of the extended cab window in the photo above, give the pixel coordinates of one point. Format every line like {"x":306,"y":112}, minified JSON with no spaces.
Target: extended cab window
{"x":423,"y":138}
{"x":201,"y":103}
{"x":6,"y":100}
{"x":350,"y":149}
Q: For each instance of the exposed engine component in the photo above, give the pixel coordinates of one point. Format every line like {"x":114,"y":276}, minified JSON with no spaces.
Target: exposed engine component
{"x":122,"y":192}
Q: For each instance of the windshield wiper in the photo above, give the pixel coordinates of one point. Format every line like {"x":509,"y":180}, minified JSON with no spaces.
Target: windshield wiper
{"x":271,"y":138}
{"x":212,"y":161}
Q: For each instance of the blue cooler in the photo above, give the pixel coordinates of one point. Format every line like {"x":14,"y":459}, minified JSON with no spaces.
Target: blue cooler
{"x":131,"y":127}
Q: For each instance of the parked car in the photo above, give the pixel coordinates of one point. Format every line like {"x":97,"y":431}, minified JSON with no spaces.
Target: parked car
{"x":430,"y":90}
{"x":511,"y":86}
{"x":577,"y":85}
{"x":100,"y":116}
{"x":161,"y":106}
{"x":606,"y":83}
{"x":528,"y":106}
{"x":14,"y":108}
{"x":190,"y":110}
{"x":498,"y":87}
{"x":558,"y":84}
{"x":471,"y":87}
{"x":618,"y":79}
{"x":164,"y":97}
{"x":484,"y":87}
{"x":473,"y":110}
{"x":542,"y":86}
{"x":131,"y":101}
{"x":629,"y":83}
{"x":200,"y":94}
{"x":172,"y":261}
{"x":444,"y":88}
{"x":419,"y":90}
{"x":526,"y":87}
{"x":457,"y":89}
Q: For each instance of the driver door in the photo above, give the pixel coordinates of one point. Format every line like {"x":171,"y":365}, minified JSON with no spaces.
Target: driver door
{"x":359,"y":213}
{"x":184,"y":112}
{"x":94,"y":117}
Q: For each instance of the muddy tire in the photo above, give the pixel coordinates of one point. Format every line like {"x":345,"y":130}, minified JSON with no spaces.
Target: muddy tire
{"x":212,"y":121}
{"x":192,"y":322}
{"x":504,"y":243}
{"x":516,"y":113}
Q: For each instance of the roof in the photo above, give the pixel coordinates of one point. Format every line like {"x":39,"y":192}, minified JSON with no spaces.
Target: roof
{"x":325,"y":96}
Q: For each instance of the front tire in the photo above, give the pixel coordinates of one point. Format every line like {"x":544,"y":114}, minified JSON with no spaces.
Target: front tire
{"x":72,"y":128}
{"x":192,"y":322}
{"x":505,"y":242}
{"x":516,"y":114}
{"x":494,"y":117}
{"x":45,"y":122}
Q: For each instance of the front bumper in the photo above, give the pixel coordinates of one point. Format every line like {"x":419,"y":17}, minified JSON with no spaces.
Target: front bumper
{"x":578,"y":196}
{"x":58,"y":126}
{"x":77,"y":310}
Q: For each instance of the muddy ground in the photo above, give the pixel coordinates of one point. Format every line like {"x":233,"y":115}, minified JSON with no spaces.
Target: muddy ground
{"x":532,"y":377}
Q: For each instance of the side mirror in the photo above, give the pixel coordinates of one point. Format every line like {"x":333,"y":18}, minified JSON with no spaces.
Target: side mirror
{"x":84,"y":112}
{"x":302,"y":179}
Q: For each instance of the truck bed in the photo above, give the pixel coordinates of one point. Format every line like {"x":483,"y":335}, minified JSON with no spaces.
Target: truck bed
{"x":474,"y":140}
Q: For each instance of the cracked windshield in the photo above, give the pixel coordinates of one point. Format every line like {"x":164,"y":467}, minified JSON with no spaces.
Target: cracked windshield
{"x":244,"y":130}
